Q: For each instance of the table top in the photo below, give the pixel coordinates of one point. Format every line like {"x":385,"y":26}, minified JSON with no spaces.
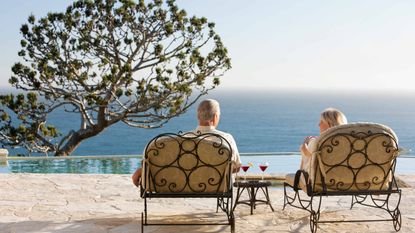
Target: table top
{"x":252,"y":183}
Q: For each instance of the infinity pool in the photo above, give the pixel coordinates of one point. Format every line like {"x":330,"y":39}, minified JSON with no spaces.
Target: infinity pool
{"x":128,"y":164}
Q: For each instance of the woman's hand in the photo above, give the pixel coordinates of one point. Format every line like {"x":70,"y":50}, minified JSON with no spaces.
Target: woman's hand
{"x":304,"y":150}
{"x":304,"y":147}
{"x":307,"y":139}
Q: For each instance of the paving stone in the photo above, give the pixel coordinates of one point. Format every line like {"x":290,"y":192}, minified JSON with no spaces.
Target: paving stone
{"x":93,"y":203}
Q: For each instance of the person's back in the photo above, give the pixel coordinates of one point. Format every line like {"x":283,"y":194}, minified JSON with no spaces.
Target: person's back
{"x":227,"y":136}
{"x":208,"y":115}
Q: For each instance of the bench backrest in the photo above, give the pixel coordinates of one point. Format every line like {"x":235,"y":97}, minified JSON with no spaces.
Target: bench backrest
{"x":355,"y":157}
{"x":187,"y":164}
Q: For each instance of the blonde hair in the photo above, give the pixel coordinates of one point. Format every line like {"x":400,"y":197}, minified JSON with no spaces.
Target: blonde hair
{"x":207,"y":109}
{"x":333,"y":117}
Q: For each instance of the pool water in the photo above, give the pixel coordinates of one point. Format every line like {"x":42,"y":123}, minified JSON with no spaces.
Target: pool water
{"x":127,"y":165}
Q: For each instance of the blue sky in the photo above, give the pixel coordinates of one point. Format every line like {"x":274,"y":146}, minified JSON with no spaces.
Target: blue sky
{"x":275,"y":44}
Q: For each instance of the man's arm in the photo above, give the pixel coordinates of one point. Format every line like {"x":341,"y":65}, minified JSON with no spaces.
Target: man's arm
{"x":136,"y":177}
{"x":236,"y":159}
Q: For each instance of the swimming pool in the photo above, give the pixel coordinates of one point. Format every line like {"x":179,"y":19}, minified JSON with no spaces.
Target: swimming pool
{"x":278,"y":163}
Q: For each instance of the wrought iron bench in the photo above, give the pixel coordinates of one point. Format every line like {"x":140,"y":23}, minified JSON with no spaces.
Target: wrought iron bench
{"x":356,"y":160}
{"x":188,"y":166}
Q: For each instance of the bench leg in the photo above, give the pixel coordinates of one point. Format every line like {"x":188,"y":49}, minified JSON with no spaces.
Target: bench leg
{"x":238,"y":195}
{"x":314,"y":221}
{"x":142,"y":224}
{"x":287,"y":199}
{"x":145,"y":211}
{"x":314,"y":213}
{"x":393,"y":209}
{"x":232,"y":219}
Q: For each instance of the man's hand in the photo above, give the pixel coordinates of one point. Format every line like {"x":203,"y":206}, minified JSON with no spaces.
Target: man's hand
{"x":136,"y":177}
{"x":236,"y":169}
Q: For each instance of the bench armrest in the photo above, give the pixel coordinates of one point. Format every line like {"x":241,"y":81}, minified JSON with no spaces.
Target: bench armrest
{"x":297,"y":178}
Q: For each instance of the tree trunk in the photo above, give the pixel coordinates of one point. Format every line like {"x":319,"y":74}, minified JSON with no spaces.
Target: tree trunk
{"x":76,"y":138}
{"x":73,"y":142}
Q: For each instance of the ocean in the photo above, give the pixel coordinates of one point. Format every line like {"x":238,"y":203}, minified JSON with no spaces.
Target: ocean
{"x":262,"y":121}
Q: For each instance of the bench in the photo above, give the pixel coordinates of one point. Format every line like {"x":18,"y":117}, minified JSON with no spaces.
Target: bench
{"x":190,"y":165}
{"x":356,"y":160}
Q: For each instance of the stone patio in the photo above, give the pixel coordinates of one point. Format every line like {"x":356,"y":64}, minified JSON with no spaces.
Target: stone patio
{"x":109,"y":203}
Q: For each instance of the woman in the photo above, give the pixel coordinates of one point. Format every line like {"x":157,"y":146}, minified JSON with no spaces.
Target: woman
{"x":328,"y":118}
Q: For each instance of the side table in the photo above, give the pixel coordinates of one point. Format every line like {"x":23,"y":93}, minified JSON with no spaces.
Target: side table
{"x":252,"y":187}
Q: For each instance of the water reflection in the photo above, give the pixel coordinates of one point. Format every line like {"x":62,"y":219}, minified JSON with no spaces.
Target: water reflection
{"x":80,"y":166}
{"x":3,"y":163}
{"x":277,"y":164}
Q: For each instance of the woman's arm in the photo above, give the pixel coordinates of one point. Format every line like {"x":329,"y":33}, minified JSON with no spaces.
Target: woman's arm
{"x":304,"y":147}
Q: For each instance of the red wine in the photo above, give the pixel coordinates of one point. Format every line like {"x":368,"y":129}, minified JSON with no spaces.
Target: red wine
{"x":245,"y":167}
{"x":263,"y":167}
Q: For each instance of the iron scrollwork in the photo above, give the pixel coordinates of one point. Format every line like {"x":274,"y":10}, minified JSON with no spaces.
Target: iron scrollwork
{"x":179,"y":162}
{"x":357,"y":163}
{"x":359,"y":166}
{"x":189,"y":165}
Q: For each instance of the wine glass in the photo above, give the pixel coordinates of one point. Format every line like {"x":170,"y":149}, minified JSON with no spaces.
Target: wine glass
{"x":245,"y":169}
{"x":263,"y":167}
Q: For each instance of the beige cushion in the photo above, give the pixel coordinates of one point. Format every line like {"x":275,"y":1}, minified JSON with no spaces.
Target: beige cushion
{"x":355,"y":156}
{"x":187,"y":164}
{"x":289,"y":179}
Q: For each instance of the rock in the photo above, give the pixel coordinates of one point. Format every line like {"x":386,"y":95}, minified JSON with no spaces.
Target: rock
{"x":4,"y":152}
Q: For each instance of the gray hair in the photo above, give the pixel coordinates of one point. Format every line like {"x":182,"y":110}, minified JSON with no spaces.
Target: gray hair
{"x":207,"y":109}
{"x":333,"y":117}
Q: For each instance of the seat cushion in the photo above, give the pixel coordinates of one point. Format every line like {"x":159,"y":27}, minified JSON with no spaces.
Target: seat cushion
{"x":356,"y":157}
{"x":289,"y":179}
{"x":187,"y":164}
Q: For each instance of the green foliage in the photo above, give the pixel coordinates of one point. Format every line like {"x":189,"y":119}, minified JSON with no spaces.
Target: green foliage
{"x":32,"y":116}
{"x":137,"y":62}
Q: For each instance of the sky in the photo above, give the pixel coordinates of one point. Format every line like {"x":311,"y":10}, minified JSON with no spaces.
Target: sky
{"x":279,"y":44}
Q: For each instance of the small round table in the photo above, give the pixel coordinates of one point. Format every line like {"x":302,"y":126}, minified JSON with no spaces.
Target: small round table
{"x":252,"y":187}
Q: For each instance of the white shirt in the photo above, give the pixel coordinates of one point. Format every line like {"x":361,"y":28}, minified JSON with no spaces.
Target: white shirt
{"x":306,"y":161}
{"x":211,"y":129}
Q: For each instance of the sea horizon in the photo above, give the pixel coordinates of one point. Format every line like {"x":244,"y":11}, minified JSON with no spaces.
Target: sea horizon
{"x":260,"y":121}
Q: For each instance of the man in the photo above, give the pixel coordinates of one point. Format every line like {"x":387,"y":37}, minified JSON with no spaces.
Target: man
{"x":208,"y":114}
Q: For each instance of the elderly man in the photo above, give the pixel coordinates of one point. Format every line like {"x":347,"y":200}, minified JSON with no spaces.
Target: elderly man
{"x":208,"y":114}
